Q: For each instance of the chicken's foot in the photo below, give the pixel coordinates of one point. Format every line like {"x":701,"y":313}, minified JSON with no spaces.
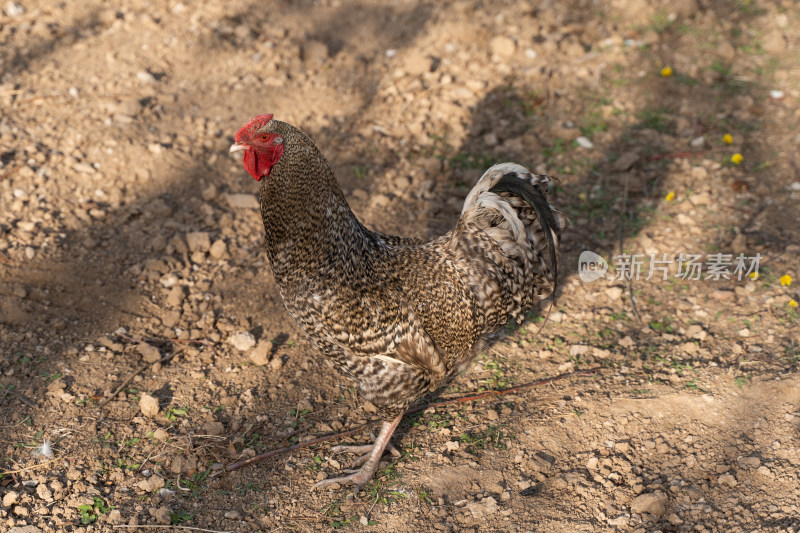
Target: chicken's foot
{"x":370,"y":461}
{"x":365,"y":450}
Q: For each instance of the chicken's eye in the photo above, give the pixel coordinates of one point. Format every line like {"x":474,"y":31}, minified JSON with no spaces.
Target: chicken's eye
{"x":264,"y":137}
{"x":278,"y":140}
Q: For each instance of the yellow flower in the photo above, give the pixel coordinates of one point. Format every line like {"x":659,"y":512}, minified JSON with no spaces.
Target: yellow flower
{"x":792,"y":303}
{"x":670,"y":196}
{"x":666,"y":72}
{"x":727,"y":138}
{"x":786,"y":279}
{"x":736,"y":158}
{"x":754,"y":275}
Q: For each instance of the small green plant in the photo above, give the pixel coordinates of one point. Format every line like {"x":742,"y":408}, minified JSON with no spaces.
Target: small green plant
{"x":180,"y":517}
{"x":360,"y":171}
{"x":90,"y":513}
{"x":125,"y":465}
{"x":173,"y":413}
{"x":741,"y":381}
{"x":493,"y":437}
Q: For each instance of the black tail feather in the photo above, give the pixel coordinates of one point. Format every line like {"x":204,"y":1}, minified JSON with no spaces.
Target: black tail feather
{"x":513,"y":184}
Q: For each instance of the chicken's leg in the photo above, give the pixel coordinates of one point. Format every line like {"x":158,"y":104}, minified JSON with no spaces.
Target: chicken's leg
{"x":365,"y":473}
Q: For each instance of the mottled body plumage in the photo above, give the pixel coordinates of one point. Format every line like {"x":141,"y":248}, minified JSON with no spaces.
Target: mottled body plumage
{"x":399,"y":316}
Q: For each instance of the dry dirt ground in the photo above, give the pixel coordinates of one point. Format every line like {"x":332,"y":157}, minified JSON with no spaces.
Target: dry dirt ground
{"x":130,"y":247}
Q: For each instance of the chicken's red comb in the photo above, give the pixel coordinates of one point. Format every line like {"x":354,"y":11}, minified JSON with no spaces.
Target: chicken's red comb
{"x":255,"y":124}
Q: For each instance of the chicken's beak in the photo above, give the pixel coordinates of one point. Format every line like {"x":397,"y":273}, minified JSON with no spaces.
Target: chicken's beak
{"x":236,"y":147}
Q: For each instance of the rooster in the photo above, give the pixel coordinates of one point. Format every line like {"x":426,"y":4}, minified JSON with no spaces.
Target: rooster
{"x":399,"y":316}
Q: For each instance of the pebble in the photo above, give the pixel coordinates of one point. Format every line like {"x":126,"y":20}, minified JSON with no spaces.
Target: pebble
{"x":10,"y":498}
{"x":752,"y":461}
{"x":242,"y":341}
{"x":626,"y":342}
{"x":485,"y":507}
{"x":232,"y":515}
{"x":218,"y":249}
{"x":13,"y":9}
{"x":502,"y":46}
{"x":149,"y":353}
{"x":259,"y":355}
{"x":697,"y":142}
{"x":148,"y":405}
{"x":584,"y":142}
{"x":198,"y":241}
{"x":727,"y":479}
{"x":653,"y":503}
{"x":614,"y":293}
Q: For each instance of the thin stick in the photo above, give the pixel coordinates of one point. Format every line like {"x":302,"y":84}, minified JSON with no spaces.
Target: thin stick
{"x":460,"y":399}
{"x":299,"y":445}
{"x":34,"y":467}
{"x":187,"y":528}
{"x":136,"y":373}
{"x":164,"y":339}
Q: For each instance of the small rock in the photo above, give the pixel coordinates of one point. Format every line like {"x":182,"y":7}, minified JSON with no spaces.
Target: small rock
{"x":752,"y":461}
{"x":198,"y":241}
{"x":697,"y":142}
{"x":10,"y":498}
{"x":363,"y":521}
{"x":44,"y":493}
{"x":584,"y":142}
{"x":451,"y":445}
{"x":696,"y":332}
{"x":163,"y":515}
{"x":13,"y":9}
{"x":276,"y":364}
{"x":764,"y":471}
{"x":175,"y":296}
{"x":242,"y":201}
{"x":653,"y":503}
{"x":160,"y":434}
{"x":370,"y":408}
{"x":148,"y":405}
{"x":242,"y":341}
{"x":727,"y":479}
{"x":744,"y":332}
{"x":578,"y":349}
{"x":145,"y":77}
{"x":232,"y":515}
{"x":486,"y":507}
{"x":614,"y":293}
{"x":502,"y":46}
{"x":591,"y":464}
{"x":21,"y":511}
{"x":115,"y":517}
{"x":259,"y":355}
{"x":168,"y":280}
{"x":218,"y":249}
{"x":626,"y":342}
{"x":149,"y":353}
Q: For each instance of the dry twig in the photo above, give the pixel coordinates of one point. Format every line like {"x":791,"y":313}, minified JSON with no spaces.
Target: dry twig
{"x":461,"y":399}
